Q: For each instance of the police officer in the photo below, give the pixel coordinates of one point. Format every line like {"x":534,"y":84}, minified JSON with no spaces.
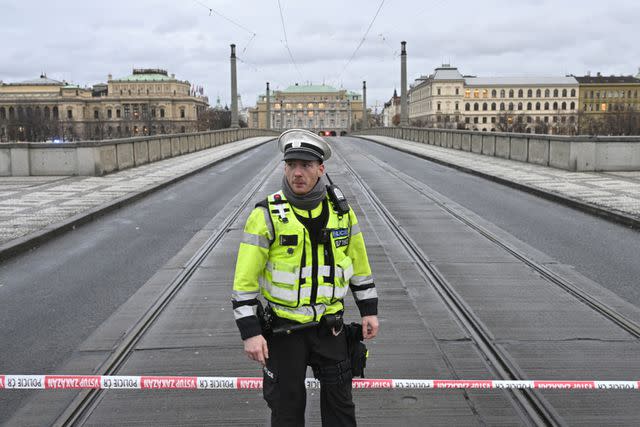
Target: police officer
{"x":302,"y":252}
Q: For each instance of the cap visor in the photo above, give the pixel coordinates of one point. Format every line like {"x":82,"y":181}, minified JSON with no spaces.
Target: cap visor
{"x":300,"y":155}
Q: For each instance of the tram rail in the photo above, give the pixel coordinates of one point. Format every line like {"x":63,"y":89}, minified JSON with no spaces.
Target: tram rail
{"x":533,"y":407}
{"x":80,"y":408}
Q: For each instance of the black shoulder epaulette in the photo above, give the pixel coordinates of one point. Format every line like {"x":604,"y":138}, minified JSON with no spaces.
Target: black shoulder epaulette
{"x":264,"y":203}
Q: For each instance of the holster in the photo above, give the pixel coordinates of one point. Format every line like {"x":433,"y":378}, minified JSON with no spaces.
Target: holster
{"x":356,"y":350}
{"x":265,"y":317}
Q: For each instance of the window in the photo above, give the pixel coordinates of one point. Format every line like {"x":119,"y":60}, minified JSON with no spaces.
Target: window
{"x":476,"y":106}
{"x":529,"y":93}
{"x":564,"y":105}
{"x":555,"y":106}
{"x":467,"y":120}
{"x":519,"y":105}
{"x":529,"y":106}
{"x":547,"y":93}
{"x":456,"y":106}
{"x":555,"y":93}
{"x":438,"y":105}
{"x":162,"y":113}
{"x":484,"y":120}
{"x":475,"y":120}
{"x":564,"y":93}
{"x":493,"y":106}
{"x":502,"y":106}
{"x":511,"y":106}
{"x":484,"y":106}
{"x":493,"y":120}
{"x":502,"y":93}
{"x":520,"y":93}
{"x":183,"y":129}
{"x":485,"y":93}
{"x":96,"y":114}
{"x":494,"y":93}
{"x":467,"y":107}
{"x":55,"y":112}
{"x":458,"y":92}
{"x":573,"y":93}
{"x":3,"y":113}
{"x":439,"y":91}
{"x":69,"y":114}
{"x":182,"y":113}
{"x":153,"y":112}
{"x":573,"y":105}
{"x":467,"y":93}
{"x":537,"y":106}
{"x":510,"y":93}
{"x":109,"y":113}
{"x":118,"y":113}
{"x":476,"y":93}
{"x":546,"y":105}
{"x":538,"y":93}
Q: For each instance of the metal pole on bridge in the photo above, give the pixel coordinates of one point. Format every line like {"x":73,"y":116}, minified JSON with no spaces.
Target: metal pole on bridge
{"x":268,"y":108}
{"x":365,"y":116}
{"x":404,"y":105}
{"x":234,"y":89}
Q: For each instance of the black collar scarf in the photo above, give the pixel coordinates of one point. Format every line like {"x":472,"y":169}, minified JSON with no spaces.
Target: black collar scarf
{"x":306,"y":201}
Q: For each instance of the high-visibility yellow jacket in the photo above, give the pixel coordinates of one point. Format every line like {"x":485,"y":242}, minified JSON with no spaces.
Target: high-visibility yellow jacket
{"x":301,"y":281}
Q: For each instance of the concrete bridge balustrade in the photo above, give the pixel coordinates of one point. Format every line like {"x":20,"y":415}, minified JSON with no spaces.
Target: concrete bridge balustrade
{"x":572,"y":153}
{"x":96,"y":158}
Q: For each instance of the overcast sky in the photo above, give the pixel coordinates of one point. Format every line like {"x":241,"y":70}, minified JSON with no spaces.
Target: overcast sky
{"x":82,"y":41}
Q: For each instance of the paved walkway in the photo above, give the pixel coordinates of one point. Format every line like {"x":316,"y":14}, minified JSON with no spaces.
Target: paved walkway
{"x":32,"y":204}
{"x":617,"y":193}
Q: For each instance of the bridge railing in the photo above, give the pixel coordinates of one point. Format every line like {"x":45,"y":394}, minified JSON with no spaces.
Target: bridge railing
{"x":96,"y":158}
{"x":573,"y":153}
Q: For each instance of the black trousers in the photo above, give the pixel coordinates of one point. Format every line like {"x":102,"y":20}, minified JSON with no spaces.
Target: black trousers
{"x":284,"y":388}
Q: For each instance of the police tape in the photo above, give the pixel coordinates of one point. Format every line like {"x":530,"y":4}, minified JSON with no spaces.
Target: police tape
{"x":60,"y":382}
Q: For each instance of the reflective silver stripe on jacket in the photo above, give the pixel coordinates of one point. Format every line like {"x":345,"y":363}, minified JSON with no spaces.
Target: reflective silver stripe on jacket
{"x":361,"y":280}
{"x":278,"y":292}
{"x":255,"y":240}
{"x":355,"y":229}
{"x":245,"y":311}
{"x":305,"y":310}
{"x":287,"y":277}
{"x":325,"y":270}
{"x":243,"y":295}
{"x":365,"y":294}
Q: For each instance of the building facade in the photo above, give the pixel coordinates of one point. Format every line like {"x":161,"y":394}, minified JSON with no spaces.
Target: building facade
{"x":391,"y":111}
{"x":319,"y":108}
{"x":607,"y":103}
{"x":147,"y":102}
{"x":447,"y":99}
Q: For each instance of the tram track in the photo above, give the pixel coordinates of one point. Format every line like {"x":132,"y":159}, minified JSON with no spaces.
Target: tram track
{"x":81,"y":407}
{"x":533,"y":408}
{"x":628,"y":325}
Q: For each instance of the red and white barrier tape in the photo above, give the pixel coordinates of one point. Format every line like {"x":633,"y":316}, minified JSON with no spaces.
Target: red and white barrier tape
{"x":241,"y":383}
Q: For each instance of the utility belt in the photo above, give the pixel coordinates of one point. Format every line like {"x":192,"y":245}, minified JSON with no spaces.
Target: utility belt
{"x":357,"y":352}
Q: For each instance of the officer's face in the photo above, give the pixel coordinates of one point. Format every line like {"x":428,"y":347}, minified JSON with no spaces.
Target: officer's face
{"x":302,"y":175}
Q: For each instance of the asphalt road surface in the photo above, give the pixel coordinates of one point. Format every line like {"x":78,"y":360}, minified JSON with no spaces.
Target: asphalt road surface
{"x":54,"y":296}
{"x":605,"y":252}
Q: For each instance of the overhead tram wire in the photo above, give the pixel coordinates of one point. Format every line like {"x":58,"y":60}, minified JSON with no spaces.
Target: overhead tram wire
{"x":366,"y":33}
{"x":286,"y":41}
{"x":242,"y":27}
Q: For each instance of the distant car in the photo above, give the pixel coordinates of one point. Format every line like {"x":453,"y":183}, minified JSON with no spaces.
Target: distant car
{"x":327,"y":133}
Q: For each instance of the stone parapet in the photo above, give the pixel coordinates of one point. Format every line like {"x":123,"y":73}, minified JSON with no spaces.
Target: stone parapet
{"x":96,"y":158}
{"x":572,"y":153}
